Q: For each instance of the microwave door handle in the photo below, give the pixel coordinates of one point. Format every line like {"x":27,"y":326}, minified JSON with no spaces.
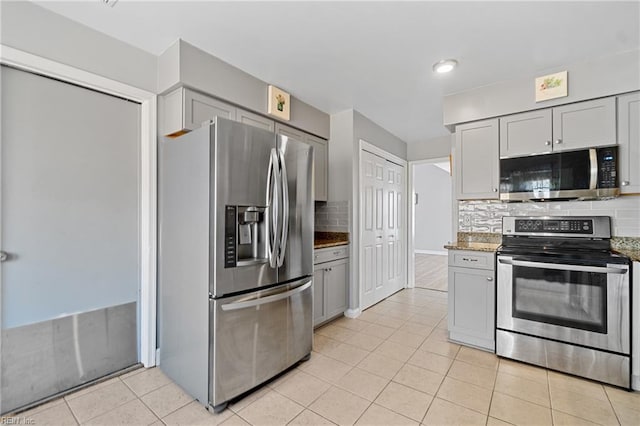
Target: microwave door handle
{"x":285,"y":210}
{"x":263,"y":300}
{"x":593,"y":159}
{"x":563,"y":267}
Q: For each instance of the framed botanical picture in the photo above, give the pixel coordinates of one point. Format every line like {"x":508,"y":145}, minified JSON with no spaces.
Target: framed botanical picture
{"x":551,"y":86}
{"x":279,"y":104}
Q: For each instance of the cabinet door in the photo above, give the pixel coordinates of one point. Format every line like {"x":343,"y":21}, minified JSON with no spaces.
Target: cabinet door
{"x":336,"y":278}
{"x":199,"y":108}
{"x":254,"y":120}
{"x":585,"y":124}
{"x":290,"y":132}
{"x":471,"y":314}
{"x":320,"y":160}
{"x":526,"y":133}
{"x":476,"y":160}
{"x":319,"y":306}
{"x":629,"y":142}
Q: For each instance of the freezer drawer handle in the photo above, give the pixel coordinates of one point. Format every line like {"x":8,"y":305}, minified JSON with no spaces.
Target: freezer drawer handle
{"x":263,"y":300}
{"x":604,"y":270}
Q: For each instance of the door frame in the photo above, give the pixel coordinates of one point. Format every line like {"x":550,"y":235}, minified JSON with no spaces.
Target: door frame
{"x":358,"y":249}
{"x":411,"y":206}
{"x":148,"y":176}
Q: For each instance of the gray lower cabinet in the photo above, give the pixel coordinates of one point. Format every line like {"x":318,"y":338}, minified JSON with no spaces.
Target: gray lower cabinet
{"x":320,"y":157}
{"x":476,"y":163}
{"x":330,"y":279}
{"x":629,"y":143}
{"x":471,"y":313}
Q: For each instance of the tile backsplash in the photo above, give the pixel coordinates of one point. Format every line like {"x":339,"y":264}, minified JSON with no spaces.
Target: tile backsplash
{"x":332,"y":216}
{"x":486,"y":215}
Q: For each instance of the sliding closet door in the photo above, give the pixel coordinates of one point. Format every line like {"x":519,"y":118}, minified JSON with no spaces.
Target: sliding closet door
{"x":69,"y":213}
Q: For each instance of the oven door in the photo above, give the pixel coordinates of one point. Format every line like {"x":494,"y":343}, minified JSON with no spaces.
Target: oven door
{"x":581,"y":302}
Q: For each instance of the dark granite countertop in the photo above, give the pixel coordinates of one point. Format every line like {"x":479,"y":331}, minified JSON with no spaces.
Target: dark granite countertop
{"x":476,"y":241}
{"x":628,"y":246}
{"x":330,"y":239}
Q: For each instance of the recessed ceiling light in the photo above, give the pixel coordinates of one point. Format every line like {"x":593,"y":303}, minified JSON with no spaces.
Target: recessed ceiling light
{"x":110,"y":3}
{"x":445,"y":65}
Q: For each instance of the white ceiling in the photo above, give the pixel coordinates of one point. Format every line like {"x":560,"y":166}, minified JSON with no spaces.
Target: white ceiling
{"x":375,"y":57}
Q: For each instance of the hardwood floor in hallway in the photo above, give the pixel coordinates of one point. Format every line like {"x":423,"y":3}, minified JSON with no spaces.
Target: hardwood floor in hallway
{"x":431,"y":272}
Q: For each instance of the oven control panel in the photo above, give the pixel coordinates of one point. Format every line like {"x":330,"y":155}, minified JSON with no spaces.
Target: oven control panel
{"x":592,"y":227}
{"x":555,"y":226}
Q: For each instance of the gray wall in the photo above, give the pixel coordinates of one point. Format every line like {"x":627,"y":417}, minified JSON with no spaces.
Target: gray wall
{"x":185,"y":64}
{"x":341,"y":153}
{"x":433,"y":148}
{"x":363,"y":128}
{"x":598,"y":77}
{"x":433,"y":217}
{"x":33,"y":29}
{"x":69,"y":199}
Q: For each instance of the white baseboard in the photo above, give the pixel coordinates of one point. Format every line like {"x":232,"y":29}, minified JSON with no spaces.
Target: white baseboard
{"x":158,"y":356}
{"x":436,"y":252}
{"x":352,"y":313}
{"x":635,"y":382}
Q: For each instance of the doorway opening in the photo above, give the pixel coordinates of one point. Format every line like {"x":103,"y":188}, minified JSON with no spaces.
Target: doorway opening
{"x":432,"y":222}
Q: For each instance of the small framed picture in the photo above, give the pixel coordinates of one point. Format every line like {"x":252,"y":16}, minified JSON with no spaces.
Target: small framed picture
{"x":279,"y":104}
{"x":551,"y":86}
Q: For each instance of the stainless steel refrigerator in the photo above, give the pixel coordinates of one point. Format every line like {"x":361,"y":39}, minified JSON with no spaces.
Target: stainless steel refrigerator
{"x":235,"y":258}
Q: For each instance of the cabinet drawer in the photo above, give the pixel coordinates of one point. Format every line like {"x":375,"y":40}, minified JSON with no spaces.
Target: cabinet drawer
{"x":472,"y":259}
{"x":330,"y":253}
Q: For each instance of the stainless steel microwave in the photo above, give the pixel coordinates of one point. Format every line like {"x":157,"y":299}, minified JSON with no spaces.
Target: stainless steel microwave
{"x":587,"y":174}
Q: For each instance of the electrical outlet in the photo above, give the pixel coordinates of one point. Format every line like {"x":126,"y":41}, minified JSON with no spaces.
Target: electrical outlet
{"x":466,"y":220}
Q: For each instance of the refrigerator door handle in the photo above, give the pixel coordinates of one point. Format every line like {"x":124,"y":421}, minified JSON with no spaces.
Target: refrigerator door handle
{"x":284,"y":184}
{"x":272,"y":205}
{"x":268,"y":299}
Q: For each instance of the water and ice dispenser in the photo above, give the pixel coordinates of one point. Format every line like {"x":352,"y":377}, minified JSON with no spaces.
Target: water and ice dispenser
{"x":245,"y":236}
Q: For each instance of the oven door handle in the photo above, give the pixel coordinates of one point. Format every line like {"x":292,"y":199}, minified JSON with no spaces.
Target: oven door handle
{"x":580,"y":268}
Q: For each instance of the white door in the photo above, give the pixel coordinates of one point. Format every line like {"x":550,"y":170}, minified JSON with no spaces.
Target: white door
{"x":372,"y":202}
{"x":394,"y":231}
{"x":382,"y":228}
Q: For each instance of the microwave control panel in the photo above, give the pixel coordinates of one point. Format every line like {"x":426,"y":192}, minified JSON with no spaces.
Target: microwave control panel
{"x":607,"y":170}
{"x":555,"y":226}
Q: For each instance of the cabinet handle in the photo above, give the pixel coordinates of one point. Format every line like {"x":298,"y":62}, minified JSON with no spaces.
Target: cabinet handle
{"x":547,"y":143}
{"x":466,"y":259}
{"x":624,"y":183}
{"x":337,"y":252}
{"x":558,"y":141}
{"x":489,"y":278}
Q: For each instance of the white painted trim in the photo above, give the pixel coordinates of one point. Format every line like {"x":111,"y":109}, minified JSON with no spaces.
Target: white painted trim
{"x":352,"y":313}
{"x":148,"y":152}
{"x":364,"y":145}
{"x":411,"y":209}
{"x":358,"y":249}
{"x":433,"y":252}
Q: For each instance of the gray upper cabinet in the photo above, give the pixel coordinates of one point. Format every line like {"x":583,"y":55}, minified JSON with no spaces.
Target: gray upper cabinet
{"x":476,"y":160}
{"x":184,"y":110}
{"x":199,"y":108}
{"x":584,"y":124}
{"x":574,"y":126}
{"x":629,"y":142}
{"x":320,"y":166}
{"x":254,"y":120}
{"x":526,"y":133}
{"x":320,"y":159}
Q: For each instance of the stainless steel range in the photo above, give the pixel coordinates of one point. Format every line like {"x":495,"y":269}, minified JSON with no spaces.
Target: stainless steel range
{"x":563,"y":298}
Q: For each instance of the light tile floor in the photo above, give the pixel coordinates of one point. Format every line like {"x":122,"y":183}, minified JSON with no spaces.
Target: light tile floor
{"x":391,"y":366}
{"x":431,"y":271}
